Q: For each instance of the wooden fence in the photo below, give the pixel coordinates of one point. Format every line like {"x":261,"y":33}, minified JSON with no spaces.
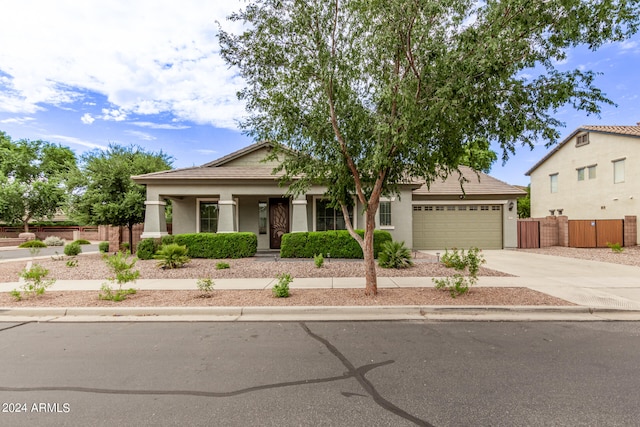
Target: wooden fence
{"x":528,"y":234}
{"x":595,"y":233}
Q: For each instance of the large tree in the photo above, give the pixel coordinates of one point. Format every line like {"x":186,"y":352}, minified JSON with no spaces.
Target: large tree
{"x":370,"y":92}
{"x":106,"y":193}
{"x":33,"y":183}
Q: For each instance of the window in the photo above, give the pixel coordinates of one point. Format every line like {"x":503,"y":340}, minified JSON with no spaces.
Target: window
{"x":451,"y":208}
{"x":582,"y":139}
{"x":262,"y":217}
{"x":581,"y":174}
{"x":385,"y":213}
{"x":208,"y":217}
{"x":618,"y":171}
{"x":328,"y":218}
{"x":592,"y":172}
{"x":440,"y":208}
{"x":473,"y":208}
{"x":484,"y":208}
{"x":462,"y":208}
{"x":553,"y":181}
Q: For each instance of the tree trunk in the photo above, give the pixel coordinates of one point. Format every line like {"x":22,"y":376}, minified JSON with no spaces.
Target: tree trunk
{"x":371,"y":278}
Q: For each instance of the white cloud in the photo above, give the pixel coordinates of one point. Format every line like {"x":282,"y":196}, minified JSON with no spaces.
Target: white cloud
{"x":628,"y":45}
{"x":145,"y":57}
{"x":74,"y":141}
{"x":166,"y":126}
{"x":113,"y":115}
{"x":206,"y":152}
{"x":17,"y":120}
{"x":87,"y":119}
{"x":140,"y":135}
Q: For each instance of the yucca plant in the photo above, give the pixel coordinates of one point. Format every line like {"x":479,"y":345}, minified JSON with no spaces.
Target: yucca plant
{"x":172,"y":256}
{"x":394,"y":255}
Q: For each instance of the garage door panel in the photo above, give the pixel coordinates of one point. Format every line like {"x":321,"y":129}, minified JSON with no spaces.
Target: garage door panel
{"x":442,"y":227}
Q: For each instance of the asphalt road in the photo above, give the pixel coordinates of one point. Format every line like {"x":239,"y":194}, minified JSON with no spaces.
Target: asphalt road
{"x":309,"y":374}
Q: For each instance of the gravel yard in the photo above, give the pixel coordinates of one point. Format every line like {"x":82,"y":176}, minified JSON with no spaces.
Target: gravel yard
{"x":91,"y":266}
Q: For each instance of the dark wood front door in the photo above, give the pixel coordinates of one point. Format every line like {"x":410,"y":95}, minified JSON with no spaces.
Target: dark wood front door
{"x":278,"y":221}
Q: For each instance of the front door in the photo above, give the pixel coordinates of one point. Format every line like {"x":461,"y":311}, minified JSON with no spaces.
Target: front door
{"x":278,"y":221}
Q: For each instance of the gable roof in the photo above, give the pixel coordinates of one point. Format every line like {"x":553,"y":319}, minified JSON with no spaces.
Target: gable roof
{"x":629,"y":131}
{"x":475,"y":184}
{"x":237,"y":154}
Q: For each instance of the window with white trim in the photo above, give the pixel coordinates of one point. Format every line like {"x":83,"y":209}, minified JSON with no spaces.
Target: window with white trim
{"x":592,"y":171}
{"x":582,"y":139}
{"x":328,"y":218}
{"x":618,"y":171}
{"x":208,"y":212}
{"x":385,"y":213}
{"x":580,"y":174}
{"x":553,"y":183}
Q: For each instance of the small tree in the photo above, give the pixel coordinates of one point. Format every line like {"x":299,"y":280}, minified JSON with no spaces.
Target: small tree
{"x":524,"y":204}
{"x":34,"y":179}
{"x":106,"y":193}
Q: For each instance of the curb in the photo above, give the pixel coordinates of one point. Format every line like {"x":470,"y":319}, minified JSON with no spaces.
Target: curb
{"x":317,"y":313}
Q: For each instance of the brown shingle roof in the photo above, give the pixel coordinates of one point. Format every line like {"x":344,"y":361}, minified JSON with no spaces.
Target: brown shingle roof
{"x":204,"y":173}
{"x":478,"y":184}
{"x":632,"y":131}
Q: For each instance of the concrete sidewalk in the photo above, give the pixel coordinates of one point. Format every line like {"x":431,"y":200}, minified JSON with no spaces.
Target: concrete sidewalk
{"x":601,"y":291}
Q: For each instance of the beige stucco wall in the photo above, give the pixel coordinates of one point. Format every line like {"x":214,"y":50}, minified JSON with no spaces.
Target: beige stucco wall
{"x":597,"y":198}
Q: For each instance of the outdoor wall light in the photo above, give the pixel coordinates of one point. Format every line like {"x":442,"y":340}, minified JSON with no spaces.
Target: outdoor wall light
{"x":510,"y":206}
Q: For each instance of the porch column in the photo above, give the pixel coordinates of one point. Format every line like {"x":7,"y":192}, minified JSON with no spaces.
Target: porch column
{"x":299,"y":215}
{"x":155,"y":224}
{"x":226,"y":214}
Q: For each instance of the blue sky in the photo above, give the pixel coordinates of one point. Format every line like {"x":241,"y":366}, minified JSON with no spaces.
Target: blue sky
{"x":90,"y":73}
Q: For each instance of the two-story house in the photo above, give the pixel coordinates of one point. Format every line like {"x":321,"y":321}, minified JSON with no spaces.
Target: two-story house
{"x":592,"y":174}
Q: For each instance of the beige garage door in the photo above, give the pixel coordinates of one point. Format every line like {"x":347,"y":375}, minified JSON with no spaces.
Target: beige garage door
{"x":457,"y":226}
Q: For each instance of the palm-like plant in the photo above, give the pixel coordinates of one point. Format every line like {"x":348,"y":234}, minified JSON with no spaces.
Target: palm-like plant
{"x":394,"y":255}
{"x":172,"y":256}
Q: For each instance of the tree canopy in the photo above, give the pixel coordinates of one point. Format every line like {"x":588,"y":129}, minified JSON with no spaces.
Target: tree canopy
{"x":34,"y":180}
{"x":106,"y":193}
{"x":370,"y":92}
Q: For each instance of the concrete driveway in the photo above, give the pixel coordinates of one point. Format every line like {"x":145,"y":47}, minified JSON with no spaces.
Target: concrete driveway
{"x":584,"y":282}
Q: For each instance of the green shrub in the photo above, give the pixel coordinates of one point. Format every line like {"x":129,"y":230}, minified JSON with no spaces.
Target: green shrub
{"x":458,"y":284}
{"x":205,"y":286}
{"x":72,"y":263}
{"x":331,"y":244}
{"x":146,"y":249}
{"x":219,"y":246}
{"x":72,"y":249}
{"x":281,"y":289}
{"x":54,"y":241}
{"x":122,"y":268}
{"x":32,"y":244}
{"x":615,"y":247}
{"x":82,"y":242}
{"x":222,"y":266}
{"x":394,"y":255}
{"x":172,"y":256}
{"x":318,"y":260}
{"x":125,"y":247}
{"x":35,"y":283}
{"x":168,"y":239}
{"x":103,"y":247}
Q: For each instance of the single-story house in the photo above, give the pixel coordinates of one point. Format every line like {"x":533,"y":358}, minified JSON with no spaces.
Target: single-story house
{"x":239,"y":193}
{"x":593,"y":174}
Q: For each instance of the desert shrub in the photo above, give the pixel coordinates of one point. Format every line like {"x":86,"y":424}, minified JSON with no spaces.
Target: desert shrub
{"x":220,"y":246}
{"x":146,"y":249}
{"x":172,"y":256}
{"x":318,"y":260}
{"x":72,"y":263}
{"x":54,"y":241}
{"x":222,"y":266}
{"x":122,"y":268}
{"x":82,"y":242}
{"x":103,"y":247}
{"x":281,"y":289}
{"x":125,"y":247}
{"x":35,"y":282}
{"x":458,"y":284}
{"x":72,"y":249}
{"x":32,"y":244}
{"x":615,"y":247}
{"x":205,"y":286}
{"x":331,"y":244}
{"x":394,"y":255}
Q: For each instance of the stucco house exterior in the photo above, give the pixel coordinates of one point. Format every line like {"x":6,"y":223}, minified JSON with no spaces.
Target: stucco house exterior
{"x":239,"y":193}
{"x":592,"y":174}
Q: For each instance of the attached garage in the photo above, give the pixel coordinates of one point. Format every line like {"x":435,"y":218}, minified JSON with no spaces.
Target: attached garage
{"x":446,"y":226}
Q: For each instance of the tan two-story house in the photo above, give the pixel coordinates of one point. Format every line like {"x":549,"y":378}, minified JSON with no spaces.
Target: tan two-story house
{"x":592,"y":174}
